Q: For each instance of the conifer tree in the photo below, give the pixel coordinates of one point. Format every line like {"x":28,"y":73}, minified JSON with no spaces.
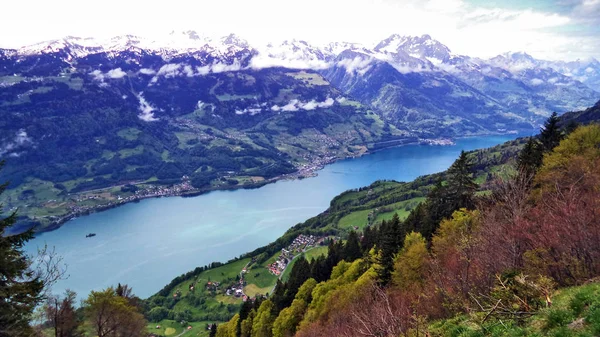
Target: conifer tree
{"x":213,"y":330}
{"x":388,"y":247}
{"x":368,"y":239}
{"x":20,"y":287}
{"x":530,"y":158}
{"x":550,"y":135}
{"x":461,"y":185}
{"x":352,"y":247}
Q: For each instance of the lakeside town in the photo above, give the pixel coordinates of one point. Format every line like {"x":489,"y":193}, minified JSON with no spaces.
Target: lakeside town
{"x":300,"y":245}
{"x":87,"y":202}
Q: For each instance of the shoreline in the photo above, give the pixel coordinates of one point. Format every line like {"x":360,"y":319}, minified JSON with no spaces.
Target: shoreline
{"x":185,"y":190}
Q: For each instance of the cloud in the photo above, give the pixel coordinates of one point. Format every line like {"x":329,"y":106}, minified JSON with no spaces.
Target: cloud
{"x":262,"y":61}
{"x":295,"y":105}
{"x":98,"y":75}
{"x":147,"y":71}
{"x":218,"y":67}
{"x":536,"y":81}
{"x":357,"y":65}
{"x":291,"y":106}
{"x":314,"y":104}
{"x":188,"y":71}
{"x":146,"y":110}
{"x":169,"y":70}
{"x":203,"y":70}
{"x":478,"y":28}
{"x":19,"y":141}
{"x":112,"y":74}
{"x":116,"y":73}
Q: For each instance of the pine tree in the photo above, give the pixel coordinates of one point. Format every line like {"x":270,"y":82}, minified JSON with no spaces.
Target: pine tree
{"x":530,"y":158}
{"x":213,"y":330}
{"x":388,"y":247}
{"x":461,"y":185}
{"x":550,"y":135}
{"x":352,"y":247}
{"x":318,"y":269}
{"x":368,"y":239}
{"x":20,"y":288}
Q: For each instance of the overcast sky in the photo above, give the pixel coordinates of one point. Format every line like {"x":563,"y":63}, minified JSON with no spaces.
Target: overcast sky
{"x":561,"y":29}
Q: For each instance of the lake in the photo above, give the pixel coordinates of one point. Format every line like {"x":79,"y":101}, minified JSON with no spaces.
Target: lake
{"x":147,"y":244}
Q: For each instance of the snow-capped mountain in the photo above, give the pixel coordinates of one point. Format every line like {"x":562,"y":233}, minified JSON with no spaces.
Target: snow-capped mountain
{"x":405,"y":78}
{"x":422,"y":47}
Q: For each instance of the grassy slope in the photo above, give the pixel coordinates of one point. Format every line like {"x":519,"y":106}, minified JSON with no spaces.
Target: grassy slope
{"x":171,"y":328}
{"x":574,"y":312}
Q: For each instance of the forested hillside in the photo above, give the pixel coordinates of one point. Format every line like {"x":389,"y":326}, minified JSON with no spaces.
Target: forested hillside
{"x":496,"y":259}
{"x":488,"y":247}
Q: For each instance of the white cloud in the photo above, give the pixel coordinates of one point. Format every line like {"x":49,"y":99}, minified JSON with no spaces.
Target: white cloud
{"x":188,"y":71}
{"x":536,"y":81}
{"x":261,"y":61}
{"x":98,"y":75}
{"x":116,"y":73}
{"x":20,"y":140}
{"x":222,"y":67}
{"x":203,"y":70}
{"x":358,"y":65}
{"x":291,"y":106}
{"x":295,"y":105}
{"x":169,"y":70}
{"x":112,"y":74}
{"x":146,"y":110}
{"x":147,"y":71}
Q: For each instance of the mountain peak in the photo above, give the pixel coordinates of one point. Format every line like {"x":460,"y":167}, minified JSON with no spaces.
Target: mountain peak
{"x":235,"y":40}
{"x":422,"y":47}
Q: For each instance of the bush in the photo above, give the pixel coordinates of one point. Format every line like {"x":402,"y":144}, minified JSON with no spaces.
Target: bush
{"x":558,"y":318}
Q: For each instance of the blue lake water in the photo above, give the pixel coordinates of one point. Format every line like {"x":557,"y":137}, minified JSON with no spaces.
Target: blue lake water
{"x":147,"y":244}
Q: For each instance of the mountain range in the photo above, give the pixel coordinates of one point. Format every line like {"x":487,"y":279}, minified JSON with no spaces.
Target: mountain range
{"x":407,"y":77}
{"x":78,"y":114}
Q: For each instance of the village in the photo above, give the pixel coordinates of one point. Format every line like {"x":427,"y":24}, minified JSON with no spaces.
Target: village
{"x":299,"y":245}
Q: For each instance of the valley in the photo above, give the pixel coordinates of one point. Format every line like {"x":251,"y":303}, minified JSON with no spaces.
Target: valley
{"x":311,"y":189}
{"x":158,"y":118}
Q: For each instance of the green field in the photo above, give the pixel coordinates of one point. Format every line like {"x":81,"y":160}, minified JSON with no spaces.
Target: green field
{"x":170,"y":328}
{"x":355,"y":219}
{"x":315,"y":252}
{"x":129,"y":133}
{"x":229,"y":270}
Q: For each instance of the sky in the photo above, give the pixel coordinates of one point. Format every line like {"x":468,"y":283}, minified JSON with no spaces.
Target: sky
{"x":559,"y":29}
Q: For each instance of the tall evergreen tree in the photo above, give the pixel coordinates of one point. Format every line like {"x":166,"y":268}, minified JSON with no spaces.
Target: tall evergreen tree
{"x":213,"y":330}
{"x":352,"y":247}
{"x":530,"y":158}
{"x":550,"y":135}
{"x":461,"y":185}
{"x":20,"y":287}
{"x":388,"y":247}
{"x":368,"y":239}
{"x":318,"y":269}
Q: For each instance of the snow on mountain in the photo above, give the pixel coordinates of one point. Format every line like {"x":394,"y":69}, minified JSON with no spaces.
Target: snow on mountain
{"x":295,"y":54}
{"x":407,"y":54}
{"x":586,"y":71}
{"x":423,"y":47}
{"x":515,"y":62}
